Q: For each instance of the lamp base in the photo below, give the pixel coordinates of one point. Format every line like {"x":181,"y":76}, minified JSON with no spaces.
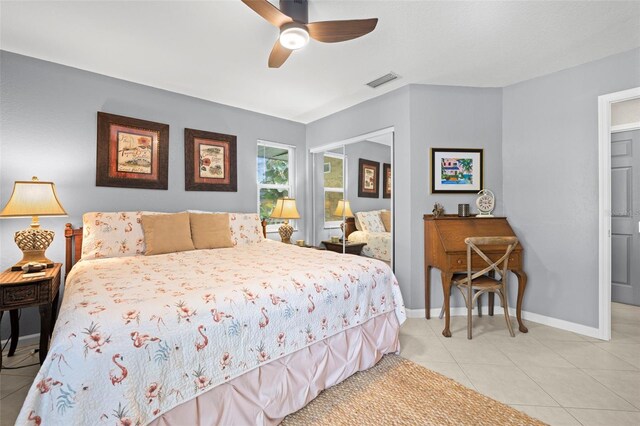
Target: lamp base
{"x":33,"y":242}
{"x":285,"y":231}
{"x":36,"y":256}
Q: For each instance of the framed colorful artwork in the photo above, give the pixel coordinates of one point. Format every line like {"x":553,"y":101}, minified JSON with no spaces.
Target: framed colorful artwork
{"x":368,"y":177}
{"x":386,"y":180}
{"x":456,"y":170}
{"x":132,"y":153}
{"x":210,"y":161}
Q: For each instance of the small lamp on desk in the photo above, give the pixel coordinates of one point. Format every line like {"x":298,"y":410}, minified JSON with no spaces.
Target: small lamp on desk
{"x":343,"y":210}
{"x":33,"y":198}
{"x":285,"y":209}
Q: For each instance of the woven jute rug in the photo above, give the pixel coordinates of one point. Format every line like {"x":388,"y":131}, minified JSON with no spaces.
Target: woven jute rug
{"x":397,"y":391}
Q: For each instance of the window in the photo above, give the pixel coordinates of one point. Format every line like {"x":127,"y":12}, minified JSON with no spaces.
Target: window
{"x":275,"y":176}
{"x":333,"y":188}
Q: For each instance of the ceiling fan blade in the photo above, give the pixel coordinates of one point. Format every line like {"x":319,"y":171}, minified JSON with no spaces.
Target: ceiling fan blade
{"x":335,"y":31}
{"x":268,"y":11}
{"x":279,"y":55}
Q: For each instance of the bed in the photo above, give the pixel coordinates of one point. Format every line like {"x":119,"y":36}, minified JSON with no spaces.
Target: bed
{"x":241,"y":335}
{"x":368,"y":227}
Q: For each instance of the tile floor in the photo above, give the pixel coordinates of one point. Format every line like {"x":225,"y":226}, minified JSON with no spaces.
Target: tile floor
{"x":559,"y":377}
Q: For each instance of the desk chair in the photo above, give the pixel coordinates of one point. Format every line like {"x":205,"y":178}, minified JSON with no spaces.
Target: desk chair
{"x":473,"y":284}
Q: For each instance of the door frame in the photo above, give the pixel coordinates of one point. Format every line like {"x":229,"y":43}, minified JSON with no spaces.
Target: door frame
{"x":604,"y":220}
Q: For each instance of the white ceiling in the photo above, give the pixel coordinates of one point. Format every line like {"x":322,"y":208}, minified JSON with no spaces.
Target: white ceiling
{"x":218,"y":50}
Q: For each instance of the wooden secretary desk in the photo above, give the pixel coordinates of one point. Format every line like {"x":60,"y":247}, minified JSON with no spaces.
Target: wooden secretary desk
{"x":445,"y":249}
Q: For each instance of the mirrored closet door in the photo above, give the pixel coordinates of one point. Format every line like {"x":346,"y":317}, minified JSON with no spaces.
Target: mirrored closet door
{"x":352,"y":197}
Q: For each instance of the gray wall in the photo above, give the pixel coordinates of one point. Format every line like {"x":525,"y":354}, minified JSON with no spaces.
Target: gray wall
{"x":423,"y":117}
{"x":48,"y":113}
{"x":48,"y":116}
{"x":550,"y":126}
{"x":390,"y":109}
{"x":450,"y":117}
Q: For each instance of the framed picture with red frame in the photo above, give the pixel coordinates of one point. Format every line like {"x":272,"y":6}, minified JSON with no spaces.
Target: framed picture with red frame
{"x":368,"y":178}
{"x":210,"y":161}
{"x":132,"y":153}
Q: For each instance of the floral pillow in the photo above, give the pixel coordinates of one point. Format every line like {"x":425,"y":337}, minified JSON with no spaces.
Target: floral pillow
{"x":246,"y":228}
{"x":119,"y":234}
{"x":370,"y":221}
{"x":114,"y":234}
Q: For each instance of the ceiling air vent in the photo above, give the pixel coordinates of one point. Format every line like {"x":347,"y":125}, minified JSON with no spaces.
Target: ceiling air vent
{"x":382,"y":80}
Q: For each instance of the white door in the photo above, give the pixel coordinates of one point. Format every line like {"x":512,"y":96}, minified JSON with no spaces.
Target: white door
{"x":625,"y":217}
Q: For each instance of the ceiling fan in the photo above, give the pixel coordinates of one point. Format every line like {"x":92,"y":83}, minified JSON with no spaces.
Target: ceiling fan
{"x":295,"y":29}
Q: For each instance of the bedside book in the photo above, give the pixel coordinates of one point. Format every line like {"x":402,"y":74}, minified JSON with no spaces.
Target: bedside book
{"x":34,"y":274}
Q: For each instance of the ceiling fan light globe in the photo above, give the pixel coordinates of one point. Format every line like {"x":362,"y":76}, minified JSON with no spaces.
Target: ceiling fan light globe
{"x":294,"y":38}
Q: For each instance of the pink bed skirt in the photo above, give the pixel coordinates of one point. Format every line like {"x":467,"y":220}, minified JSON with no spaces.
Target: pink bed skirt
{"x":265,"y":395}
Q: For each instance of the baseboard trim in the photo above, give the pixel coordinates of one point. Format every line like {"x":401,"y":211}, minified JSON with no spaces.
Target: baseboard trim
{"x":527,"y":316}
{"x":29,"y":339}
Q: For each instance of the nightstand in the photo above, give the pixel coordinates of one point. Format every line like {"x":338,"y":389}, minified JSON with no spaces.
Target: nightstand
{"x":349,"y":248}
{"x":17,"y":293}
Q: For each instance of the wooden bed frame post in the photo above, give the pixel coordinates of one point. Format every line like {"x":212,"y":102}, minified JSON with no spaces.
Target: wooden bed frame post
{"x":349,"y":226}
{"x":73,"y":247}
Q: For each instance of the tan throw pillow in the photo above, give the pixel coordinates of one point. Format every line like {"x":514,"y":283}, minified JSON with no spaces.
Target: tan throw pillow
{"x":385,"y":216}
{"x":166,"y":233}
{"x":210,"y":231}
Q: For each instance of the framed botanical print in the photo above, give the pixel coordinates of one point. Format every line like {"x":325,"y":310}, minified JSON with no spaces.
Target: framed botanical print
{"x":386,"y":180}
{"x":368,"y":177}
{"x":456,"y":170}
{"x":210,"y":161}
{"x":132,"y":153}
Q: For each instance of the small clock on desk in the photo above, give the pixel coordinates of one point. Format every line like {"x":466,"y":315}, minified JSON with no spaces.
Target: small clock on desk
{"x":486,"y":202}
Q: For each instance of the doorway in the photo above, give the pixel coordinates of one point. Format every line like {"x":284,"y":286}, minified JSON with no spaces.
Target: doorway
{"x":618,"y":208}
{"x":625,"y":202}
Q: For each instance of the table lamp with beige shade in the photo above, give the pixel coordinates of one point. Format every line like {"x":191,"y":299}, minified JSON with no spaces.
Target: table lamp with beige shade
{"x":343,"y":210}
{"x":33,"y":198}
{"x":285,"y":209}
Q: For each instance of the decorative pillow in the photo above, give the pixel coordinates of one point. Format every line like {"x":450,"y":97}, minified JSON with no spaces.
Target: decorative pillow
{"x":370,"y":221}
{"x":166,"y":233}
{"x":112,"y":234}
{"x":245,"y":228}
{"x":210,"y":231}
{"x":385,"y":217}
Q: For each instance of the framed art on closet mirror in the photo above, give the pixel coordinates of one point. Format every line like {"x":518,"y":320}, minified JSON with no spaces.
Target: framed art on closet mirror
{"x":368,"y":178}
{"x":386,"y":180}
{"x":132,"y":153}
{"x":210,"y":161}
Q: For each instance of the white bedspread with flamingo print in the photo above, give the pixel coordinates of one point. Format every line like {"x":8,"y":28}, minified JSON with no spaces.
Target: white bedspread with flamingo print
{"x":137,"y":336}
